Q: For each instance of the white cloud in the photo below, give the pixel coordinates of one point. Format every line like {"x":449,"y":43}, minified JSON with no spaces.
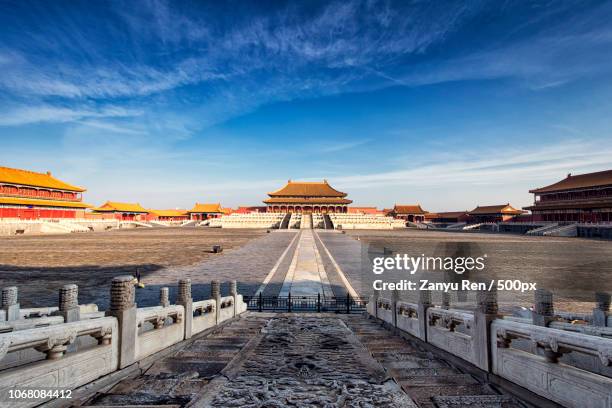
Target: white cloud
{"x":48,"y":113}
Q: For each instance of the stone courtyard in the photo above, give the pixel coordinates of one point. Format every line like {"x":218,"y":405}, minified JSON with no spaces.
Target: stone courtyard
{"x":190,"y":346}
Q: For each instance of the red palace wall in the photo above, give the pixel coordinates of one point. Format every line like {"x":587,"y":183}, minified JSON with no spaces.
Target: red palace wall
{"x":35,"y":213}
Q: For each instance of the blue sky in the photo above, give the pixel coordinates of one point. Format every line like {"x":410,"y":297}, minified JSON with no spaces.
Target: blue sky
{"x":449,"y":104}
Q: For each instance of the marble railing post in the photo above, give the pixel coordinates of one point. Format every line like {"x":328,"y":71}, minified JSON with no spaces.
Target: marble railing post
{"x":446,"y":299}
{"x":215,"y":293}
{"x":422,"y":306}
{"x":602,"y":309}
{"x":486,"y":311}
{"x":123,"y":307}
{"x":69,"y":303}
{"x":375,"y":297}
{"x":185,"y":299}
{"x":394,"y":300}
{"x":543,"y":311}
{"x":164,"y":297}
{"x":9,"y":303}
{"x":234,"y":293}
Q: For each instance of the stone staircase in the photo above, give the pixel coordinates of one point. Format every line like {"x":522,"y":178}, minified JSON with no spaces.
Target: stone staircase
{"x":429,"y":380}
{"x":541,"y":230}
{"x":306,"y":221}
{"x":563,"y":231}
{"x":176,"y":379}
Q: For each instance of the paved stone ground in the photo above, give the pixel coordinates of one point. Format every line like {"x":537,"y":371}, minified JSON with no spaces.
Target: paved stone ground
{"x":306,"y":276}
{"x":276,"y":282}
{"x":307,"y":361}
{"x":572,"y":268}
{"x":40,"y":265}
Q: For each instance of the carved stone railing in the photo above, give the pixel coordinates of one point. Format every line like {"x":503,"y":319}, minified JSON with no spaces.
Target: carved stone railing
{"x":385,"y":310}
{"x":570,"y":364}
{"x":542,"y":373}
{"x":204,"y":315}
{"x":167,"y":329}
{"x":24,"y":324}
{"x":226,"y":308}
{"x":452,"y":331}
{"x":408,"y":318}
{"x":57,"y":366}
{"x":71,"y":345}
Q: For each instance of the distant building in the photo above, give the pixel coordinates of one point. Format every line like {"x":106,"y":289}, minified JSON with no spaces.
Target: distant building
{"x":365,"y":210}
{"x":250,"y":209}
{"x":494,"y":213}
{"x":307,"y":197}
{"x":29,"y":195}
{"x":168,"y":215}
{"x":122,"y":211}
{"x":448,"y":217}
{"x":412,"y":213}
{"x":579,"y":198}
{"x":201,"y":212}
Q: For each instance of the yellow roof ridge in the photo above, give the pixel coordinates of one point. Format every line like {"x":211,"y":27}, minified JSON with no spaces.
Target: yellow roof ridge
{"x":30,"y":178}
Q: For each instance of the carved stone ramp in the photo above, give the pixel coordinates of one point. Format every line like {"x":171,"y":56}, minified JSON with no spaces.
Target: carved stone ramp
{"x":305,"y":360}
{"x":429,"y":380}
{"x":174,"y":380}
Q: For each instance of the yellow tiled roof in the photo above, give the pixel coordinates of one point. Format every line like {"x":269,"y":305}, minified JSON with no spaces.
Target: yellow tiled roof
{"x":496,"y":209}
{"x":169,"y":213}
{"x":307,"y":200}
{"x":207,"y":208}
{"x":408,"y":209}
{"x":43,"y":203}
{"x":307,"y":189}
{"x":588,"y":180}
{"x":113,"y":206}
{"x":29,"y":178}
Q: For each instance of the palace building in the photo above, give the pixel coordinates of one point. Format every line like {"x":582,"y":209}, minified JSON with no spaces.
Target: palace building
{"x":494,"y":213}
{"x":168,"y":215}
{"x":122,"y":211}
{"x":201,"y":212}
{"x":576,"y":198}
{"x":411,"y":213}
{"x":449,"y":217}
{"x":307,"y":197}
{"x":29,"y":195}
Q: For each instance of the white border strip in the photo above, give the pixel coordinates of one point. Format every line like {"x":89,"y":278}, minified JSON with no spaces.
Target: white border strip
{"x":347,"y":284}
{"x":275,"y":267}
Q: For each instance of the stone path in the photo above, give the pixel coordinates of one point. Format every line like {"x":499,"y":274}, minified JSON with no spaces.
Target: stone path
{"x":306,"y":276}
{"x":307,"y":361}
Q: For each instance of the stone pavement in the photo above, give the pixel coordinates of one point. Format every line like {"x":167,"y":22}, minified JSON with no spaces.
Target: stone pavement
{"x":306,"y":276}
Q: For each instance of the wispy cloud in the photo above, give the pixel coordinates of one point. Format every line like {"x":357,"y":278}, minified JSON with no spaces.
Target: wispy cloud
{"x":289,"y":53}
{"x":339,"y":147}
{"x":494,"y":168}
{"x":50,"y":113}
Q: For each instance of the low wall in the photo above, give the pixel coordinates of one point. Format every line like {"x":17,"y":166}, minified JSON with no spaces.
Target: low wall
{"x":204,"y":315}
{"x":158,"y":328}
{"x":542,"y":373}
{"x":452,"y":331}
{"x":60,"y":369}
